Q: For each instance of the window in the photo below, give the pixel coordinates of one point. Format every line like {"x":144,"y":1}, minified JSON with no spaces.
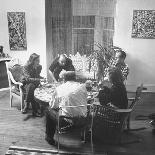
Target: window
{"x":108,"y":30}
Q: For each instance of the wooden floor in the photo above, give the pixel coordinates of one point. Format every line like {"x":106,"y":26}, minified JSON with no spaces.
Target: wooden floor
{"x":16,"y":130}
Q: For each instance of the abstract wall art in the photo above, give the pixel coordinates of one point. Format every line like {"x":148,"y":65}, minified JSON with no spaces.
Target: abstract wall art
{"x":17,"y":31}
{"x":143,"y":25}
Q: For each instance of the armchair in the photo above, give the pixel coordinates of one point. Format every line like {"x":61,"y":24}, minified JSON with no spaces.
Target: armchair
{"x":14,"y":75}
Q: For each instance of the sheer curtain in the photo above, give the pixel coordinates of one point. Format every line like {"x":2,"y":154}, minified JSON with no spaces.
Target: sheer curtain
{"x":93,"y":22}
{"x":83,"y":34}
{"x":61,"y":22}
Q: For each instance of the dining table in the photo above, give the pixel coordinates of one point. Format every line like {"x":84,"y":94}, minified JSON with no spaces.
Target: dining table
{"x":43,"y":94}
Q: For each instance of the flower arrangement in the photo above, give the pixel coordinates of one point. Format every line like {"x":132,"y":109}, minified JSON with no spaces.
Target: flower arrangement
{"x":101,"y":59}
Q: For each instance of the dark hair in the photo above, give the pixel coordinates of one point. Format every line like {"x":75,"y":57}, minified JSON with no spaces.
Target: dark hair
{"x":123,"y":54}
{"x":1,"y":49}
{"x":32,"y":58}
{"x":115,"y":76}
{"x":70,"y":76}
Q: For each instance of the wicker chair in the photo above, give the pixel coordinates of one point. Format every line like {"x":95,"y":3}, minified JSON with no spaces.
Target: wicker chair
{"x":108,"y":124}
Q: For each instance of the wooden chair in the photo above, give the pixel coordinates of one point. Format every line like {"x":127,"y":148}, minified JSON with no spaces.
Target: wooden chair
{"x":14,"y":75}
{"x":134,"y":101}
{"x":108,"y":124}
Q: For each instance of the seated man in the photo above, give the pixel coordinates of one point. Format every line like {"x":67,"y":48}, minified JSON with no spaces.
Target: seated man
{"x":70,"y":93}
{"x":119,"y":63}
{"x":60,"y":63}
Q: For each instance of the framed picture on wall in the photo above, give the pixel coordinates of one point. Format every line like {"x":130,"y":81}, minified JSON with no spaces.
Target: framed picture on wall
{"x":143,"y":25}
{"x":17,"y":31}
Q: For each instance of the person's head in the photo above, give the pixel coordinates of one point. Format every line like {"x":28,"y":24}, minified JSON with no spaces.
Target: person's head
{"x":115,"y":76}
{"x":1,"y":49}
{"x":120,"y":56}
{"x":62,"y":60}
{"x":70,"y":76}
{"x":34,"y":60}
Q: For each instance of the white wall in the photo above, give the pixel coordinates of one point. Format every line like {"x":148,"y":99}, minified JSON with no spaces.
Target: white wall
{"x":35,"y":28}
{"x":140,"y":52}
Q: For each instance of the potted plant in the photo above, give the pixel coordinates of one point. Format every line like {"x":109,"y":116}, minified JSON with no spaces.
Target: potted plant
{"x":100,"y":59}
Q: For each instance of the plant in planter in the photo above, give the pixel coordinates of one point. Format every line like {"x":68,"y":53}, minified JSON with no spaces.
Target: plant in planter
{"x":100,"y":59}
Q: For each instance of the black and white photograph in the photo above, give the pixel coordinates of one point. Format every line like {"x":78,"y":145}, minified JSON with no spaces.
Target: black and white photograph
{"x":77,"y":77}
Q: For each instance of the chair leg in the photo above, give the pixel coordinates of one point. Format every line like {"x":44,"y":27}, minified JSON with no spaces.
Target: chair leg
{"x":91,"y":129}
{"x":11,"y":97}
{"x":22,"y":102}
{"x":58,"y":130}
{"x":128,"y":123}
{"x":83,"y":135}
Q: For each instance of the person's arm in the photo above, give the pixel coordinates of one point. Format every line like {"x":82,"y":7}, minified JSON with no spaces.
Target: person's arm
{"x":52,"y":68}
{"x":104,"y":96}
{"x":125,"y":72}
{"x":39,"y":69}
{"x":54,"y":104}
{"x":27,"y":77}
{"x":51,"y":74}
{"x":72,"y":68}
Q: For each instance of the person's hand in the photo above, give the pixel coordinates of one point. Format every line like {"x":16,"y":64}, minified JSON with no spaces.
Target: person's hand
{"x":106,"y":78}
{"x":112,"y":106}
{"x":43,"y":80}
{"x":62,"y":74}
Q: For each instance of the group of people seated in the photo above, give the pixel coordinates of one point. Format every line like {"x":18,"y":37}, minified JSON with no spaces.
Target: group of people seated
{"x":71,"y":92}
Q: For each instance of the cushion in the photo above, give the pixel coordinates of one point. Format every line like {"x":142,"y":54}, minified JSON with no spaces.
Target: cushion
{"x":17,"y":72}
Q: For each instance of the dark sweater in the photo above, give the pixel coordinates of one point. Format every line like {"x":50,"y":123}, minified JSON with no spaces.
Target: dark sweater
{"x":56,"y":68}
{"x":31,"y":75}
{"x":117,"y":95}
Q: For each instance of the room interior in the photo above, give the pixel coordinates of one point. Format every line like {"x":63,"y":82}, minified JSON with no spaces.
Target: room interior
{"x":82,"y":23}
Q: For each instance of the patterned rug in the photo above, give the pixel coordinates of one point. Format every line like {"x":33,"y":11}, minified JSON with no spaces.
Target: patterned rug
{"x":15,"y":150}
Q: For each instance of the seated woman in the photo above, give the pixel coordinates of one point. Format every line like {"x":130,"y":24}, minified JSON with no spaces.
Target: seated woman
{"x":31,"y":80}
{"x":116,"y":95}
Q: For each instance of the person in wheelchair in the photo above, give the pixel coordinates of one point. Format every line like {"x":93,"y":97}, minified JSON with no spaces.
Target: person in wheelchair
{"x":70,"y":93}
{"x":116,"y":95}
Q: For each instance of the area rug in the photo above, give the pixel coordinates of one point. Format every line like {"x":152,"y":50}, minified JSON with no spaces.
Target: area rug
{"x":16,"y":150}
